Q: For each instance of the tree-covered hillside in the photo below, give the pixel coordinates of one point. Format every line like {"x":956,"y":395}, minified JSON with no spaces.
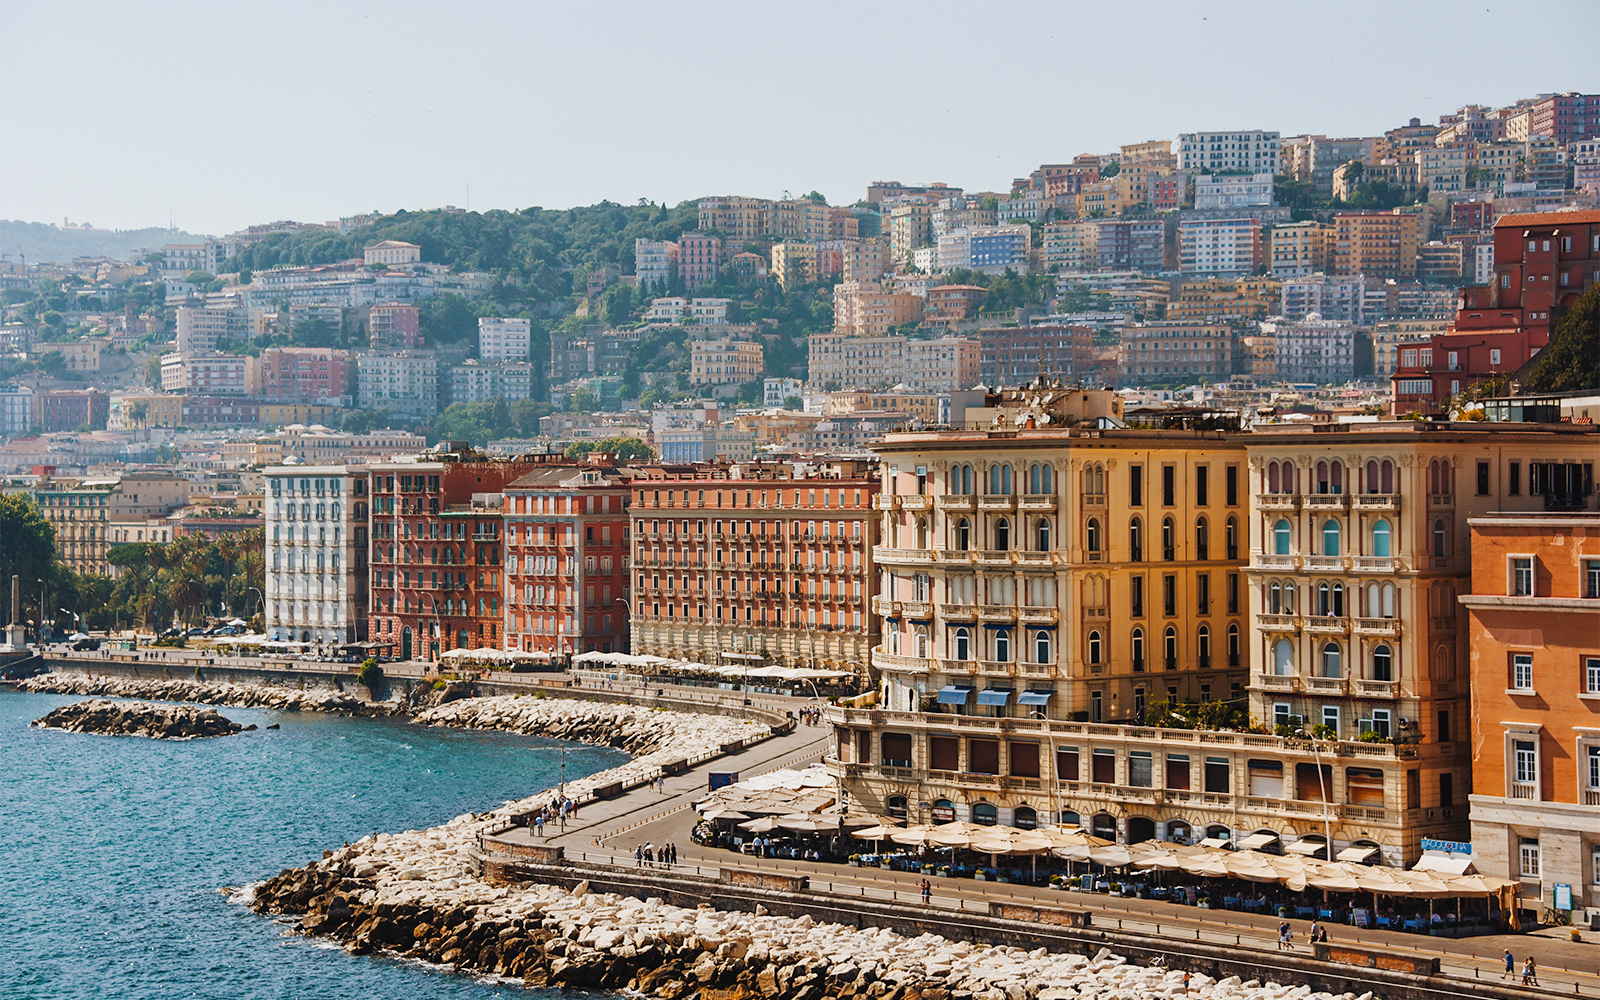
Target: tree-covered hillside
{"x":1571,"y":361}
{"x":537,"y":254}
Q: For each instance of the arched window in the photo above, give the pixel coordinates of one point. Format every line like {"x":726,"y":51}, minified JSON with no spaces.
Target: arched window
{"x":963,"y":642}
{"x":922,"y":643}
{"x":985,"y":814}
{"x":1380,"y":538}
{"x":1324,"y":600}
{"x":1338,"y":601}
{"x":1441,"y":540}
{"x":1002,"y":646}
{"x":961,"y":480}
{"x":1281,"y":535}
{"x":1093,"y":532}
{"x":1386,"y":476}
{"x":1233,"y":644}
{"x":1137,"y":646}
{"x":1202,"y":540}
{"x":1094,"y":479}
{"x":1330,"y":538}
{"x":896,"y":806}
{"x":1387,"y":601}
{"x":1041,"y":535}
{"x":1282,"y":658}
{"x":1322,"y":477}
{"x":944,"y":811}
{"x":1232,"y":539}
{"x":1041,"y":479}
{"x":1094,"y":647}
{"x":1169,"y":540}
{"x":1444,"y":665}
{"x":1025,"y":818}
{"x":1273,"y":481}
{"x":1203,"y":646}
{"x":963,"y":535}
{"x":1041,"y":647}
{"x":1332,"y":660}
{"x":1002,"y":534}
{"x":894,"y":642}
{"x":1330,"y":477}
{"x":922,"y":532}
{"x":1372,"y":476}
{"x":1171,"y":644}
{"x":1136,"y":540}
{"x":1275,"y":598}
{"x":1382,"y":663}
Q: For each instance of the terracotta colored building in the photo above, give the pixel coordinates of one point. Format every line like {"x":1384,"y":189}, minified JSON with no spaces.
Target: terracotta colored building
{"x":435,"y":528}
{"x":1013,"y":355}
{"x":1534,"y":630}
{"x":567,"y":559}
{"x":754,"y":564}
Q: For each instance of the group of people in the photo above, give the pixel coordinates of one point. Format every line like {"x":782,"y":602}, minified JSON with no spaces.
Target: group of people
{"x":1317,"y":935}
{"x":1530,"y":969}
{"x":557,"y":811}
{"x":811,"y":715}
{"x":650,"y":856}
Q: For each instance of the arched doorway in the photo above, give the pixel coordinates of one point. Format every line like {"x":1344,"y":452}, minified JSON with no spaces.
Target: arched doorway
{"x":1179,"y":831}
{"x":1070,"y":817}
{"x":985,"y":814}
{"x":405,"y":643}
{"x":944,"y":811}
{"x":462,"y":641}
{"x":1141,"y":829}
{"x":1104,"y":826}
{"x":1219,"y":833}
{"x":1025,"y":818}
{"x":897,"y":807}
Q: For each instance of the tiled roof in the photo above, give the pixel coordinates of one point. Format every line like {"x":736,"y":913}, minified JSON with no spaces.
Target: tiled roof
{"x":1547,"y":219}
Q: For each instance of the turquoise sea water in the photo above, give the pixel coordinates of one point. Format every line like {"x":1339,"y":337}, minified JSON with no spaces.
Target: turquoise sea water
{"x":115,"y":848}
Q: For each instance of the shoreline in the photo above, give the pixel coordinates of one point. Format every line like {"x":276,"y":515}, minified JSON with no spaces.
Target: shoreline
{"x":274,"y":697}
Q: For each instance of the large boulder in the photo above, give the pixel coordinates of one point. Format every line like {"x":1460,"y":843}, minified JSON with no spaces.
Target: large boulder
{"x":138,"y":718}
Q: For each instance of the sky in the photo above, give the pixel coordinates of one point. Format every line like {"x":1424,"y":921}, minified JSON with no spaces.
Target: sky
{"x":219,"y":115}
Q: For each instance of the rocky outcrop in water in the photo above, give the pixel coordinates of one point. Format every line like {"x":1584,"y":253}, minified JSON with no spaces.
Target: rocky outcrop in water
{"x":283,"y":699}
{"x":135,"y":718}
{"x":633,"y":728}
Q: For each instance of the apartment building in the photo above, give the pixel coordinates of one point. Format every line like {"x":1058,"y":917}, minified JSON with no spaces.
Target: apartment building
{"x":1220,"y":246}
{"x":69,"y":409}
{"x":699,"y":258}
{"x":394,"y":326}
{"x":502,"y":339}
{"x":1376,"y":244}
{"x":1313,"y":350}
{"x":948,"y":305}
{"x":1013,"y":355}
{"x":737,"y":218}
{"x":1170,"y":191}
{"x":308,"y":374}
{"x":910,"y":225}
{"x":1256,"y":151}
{"x":475,"y":382}
{"x":990,"y":249}
{"x":867,"y":309}
{"x":1300,"y":248}
{"x":1565,"y":118}
{"x":199,"y":328}
{"x":206,"y":374}
{"x":1028,"y":628}
{"x":1340,"y":297}
{"x":1223,"y":191}
{"x":316,"y":554}
{"x":425,"y":564}
{"x":1219,"y":300}
{"x":724,"y":362}
{"x":752,"y":564}
{"x":943,"y":364}
{"x":16,"y":409}
{"x":794,"y":264}
{"x":83,"y":512}
{"x":865,"y":260}
{"x":1176,"y":351}
{"x":1444,"y":168}
{"x":392,"y":252}
{"x":1390,"y":337}
{"x":405,"y":383}
{"x":1358,"y":552}
{"x":1535,"y":674}
{"x":567,"y":558}
{"x":654,"y":264}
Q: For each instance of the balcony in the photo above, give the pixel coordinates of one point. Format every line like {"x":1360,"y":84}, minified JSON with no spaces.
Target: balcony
{"x":884,"y":606}
{"x":1027,"y":558}
{"x":1278,"y":501}
{"x":1094,"y":499}
{"x":1377,"y":626}
{"x":1376,"y":501}
{"x":893,"y":556}
{"x":1326,"y":501}
{"x":1374,"y":564}
{"x":1262,"y":560}
{"x":956,"y":502}
{"x":997,"y":503}
{"x":1375,"y":689}
{"x":1325,"y":624}
{"x":1524,"y":790}
{"x":1325,"y":685}
{"x":915,"y":502}
{"x":1325,"y":564}
{"x":920,"y":610}
{"x":997,"y":668}
{"x":959,"y":612}
{"x":1038,"y":616}
{"x":1277,"y":682}
{"x":886,"y":501}
{"x":1278,"y":623}
{"x":998,"y":612}
{"x":899,"y":664}
{"x":994,"y":557}
{"x":1441,"y":501}
{"x":1037,"y":502}
{"x":1442,"y":625}
{"x":1097,"y":614}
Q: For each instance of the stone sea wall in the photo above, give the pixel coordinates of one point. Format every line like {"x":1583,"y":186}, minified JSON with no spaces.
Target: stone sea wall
{"x":643,"y":731}
{"x":281,"y":698}
{"x":122,"y":718}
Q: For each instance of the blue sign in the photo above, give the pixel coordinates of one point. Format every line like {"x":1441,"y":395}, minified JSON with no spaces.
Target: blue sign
{"x":1453,"y":846}
{"x":1563,"y":893}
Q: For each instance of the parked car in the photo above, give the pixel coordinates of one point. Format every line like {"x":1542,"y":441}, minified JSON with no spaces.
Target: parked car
{"x":85,"y":643}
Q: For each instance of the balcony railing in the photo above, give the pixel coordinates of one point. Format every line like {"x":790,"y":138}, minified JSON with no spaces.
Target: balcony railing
{"x":1325,"y":685}
{"x":1325,"y":564}
{"x":1038,"y":502}
{"x":1278,"y":501}
{"x":1326,"y":624}
{"x":1376,"y":689}
{"x":915,"y":501}
{"x":1038,"y":616}
{"x":1524,"y":790}
{"x":1326,"y":501}
{"x":1278,"y":623}
{"x":1374,"y":564}
{"x":1377,"y":626}
{"x":997,"y":503}
{"x":956,"y":502}
{"x":998,"y":612}
{"x":1377,"y":501}
{"x":1278,"y":682}
{"x":1263,"y":560}
{"x":1094,"y":499}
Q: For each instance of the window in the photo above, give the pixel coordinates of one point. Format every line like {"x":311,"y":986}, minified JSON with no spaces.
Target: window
{"x":1529,"y":857}
{"x":963,"y":535}
{"x":1281,"y":713}
{"x":1169,"y":489}
{"x":1483,"y":479}
{"x":963,"y":644}
{"x":1591,"y":675}
{"x":1522,"y":576}
{"x":1202,"y":540}
{"x":1332,"y":660}
{"x":1136,"y":540}
{"x":1330,"y":538}
{"x":1041,"y":647}
{"x":1441,"y":540}
{"x":1591,"y":578}
{"x":1137,"y":647}
{"x":1002,"y":646}
{"x":1593,"y":772}
{"x":1202,"y":476}
{"x":1094,"y":647}
{"x":1380,"y":539}
{"x":1041,"y":533}
{"x":1136,"y":486}
{"x":1282,"y":658}
{"x":1093,"y":530}
{"x":1330,"y":718}
{"x":1171,"y":643}
{"x":1382,"y":663}
{"x":1281,"y":534}
{"x":1002,"y":534}
{"x":1522,"y":672}
{"x":1140,"y":769}
{"x":1169,"y":533}
{"x":1230,"y":482}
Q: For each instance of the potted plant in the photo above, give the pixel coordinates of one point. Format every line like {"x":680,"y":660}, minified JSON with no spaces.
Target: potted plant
{"x":1058,"y":881}
{"x":855,"y":860}
{"x":1204,"y":902}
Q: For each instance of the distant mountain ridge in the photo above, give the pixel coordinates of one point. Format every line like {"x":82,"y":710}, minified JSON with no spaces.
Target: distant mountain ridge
{"x":40,"y":241}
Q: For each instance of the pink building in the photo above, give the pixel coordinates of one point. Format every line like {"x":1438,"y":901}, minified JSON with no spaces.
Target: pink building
{"x":304,"y":374}
{"x":699,"y":258}
{"x":395,"y":325}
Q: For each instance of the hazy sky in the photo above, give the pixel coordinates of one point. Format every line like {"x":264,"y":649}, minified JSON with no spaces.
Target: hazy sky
{"x":224,"y":114}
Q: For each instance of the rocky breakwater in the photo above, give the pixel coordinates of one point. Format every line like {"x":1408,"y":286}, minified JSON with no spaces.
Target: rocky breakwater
{"x":655,"y":736}
{"x":270,"y":696}
{"x":137,"y":718}
{"x":548,"y":936}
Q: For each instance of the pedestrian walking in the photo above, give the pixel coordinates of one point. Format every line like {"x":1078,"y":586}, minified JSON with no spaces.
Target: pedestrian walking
{"x":1511,"y":965}
{"x":1530,"y":972}
{"x":638,"y":857}
{"x":538,"y":824}
{"x":927,"y":892}
{"x":1285,"y":937}
{"x":1315,"y":929}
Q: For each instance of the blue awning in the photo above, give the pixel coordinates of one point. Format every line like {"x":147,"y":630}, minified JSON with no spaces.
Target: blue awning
{"x":1042,"y":628}
{"x":1034,"y":697}
{"x":955,"y":694}
{"x":994,"y":696}
{"x":998,"y":628}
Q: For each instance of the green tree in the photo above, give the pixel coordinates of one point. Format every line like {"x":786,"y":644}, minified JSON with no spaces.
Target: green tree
{"x":200,"y":278}
{"x":52,"y":363}
{"x":585,"y":400}
{"x":1571,"y":361}
{"x":448,"y":319}
{"x":27,"y":542}
{"x":626,"y":449}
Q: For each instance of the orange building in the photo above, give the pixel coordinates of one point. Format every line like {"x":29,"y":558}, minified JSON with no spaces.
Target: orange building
{"x":1534,"y":621}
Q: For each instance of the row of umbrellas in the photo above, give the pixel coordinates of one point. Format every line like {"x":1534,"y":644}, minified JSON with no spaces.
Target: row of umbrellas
{"x":663,"y":664}
{"x":486,"y":654}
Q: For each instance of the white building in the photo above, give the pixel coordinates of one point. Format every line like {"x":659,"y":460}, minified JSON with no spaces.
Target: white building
{"x":653,"y":263}
{"x":477,"y":382}
{"x":393,"y":252}
{"x":1232,"y":190}
{"x":205,"y":374}
{"x":1255,"y":150}
{"x":316,"y":525}
{"x":199,"y":328}
{"x":1336,"y":296}
{"x":1483,"y":263}
{"x":776,"y":390}
{"x":405,"y":383}
{"x":16,"y":409}
{"x":1315,"y":350}
{"x":990,"y":249}
{"x":502,"y":339}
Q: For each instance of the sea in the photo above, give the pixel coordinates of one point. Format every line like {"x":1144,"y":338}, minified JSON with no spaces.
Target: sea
{"x":118,"y":850}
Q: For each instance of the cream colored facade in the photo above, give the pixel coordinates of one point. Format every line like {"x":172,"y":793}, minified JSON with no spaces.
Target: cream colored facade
{"x":1358,"y":550}
{"x":737,"y":218}
{"x":866,"y":309}
{"x":1388,"y":337}
{"x":794,"y":264}
{"x":724,"y":362}
{"x":1300,"y":248}
{"x":910,"y":226}
{"x":1071,"y":246}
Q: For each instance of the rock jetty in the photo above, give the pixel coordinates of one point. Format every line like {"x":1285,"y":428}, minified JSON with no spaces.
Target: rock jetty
{"x":283,"y":699}
{"x":634,"y":728}
{"x":138,"y":718}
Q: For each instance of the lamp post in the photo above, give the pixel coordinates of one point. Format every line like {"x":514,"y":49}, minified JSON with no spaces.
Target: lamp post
{"x":1327,"y":822}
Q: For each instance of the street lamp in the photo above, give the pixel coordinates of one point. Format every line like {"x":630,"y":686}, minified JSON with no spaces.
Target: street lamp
{"x":1327,"y":823}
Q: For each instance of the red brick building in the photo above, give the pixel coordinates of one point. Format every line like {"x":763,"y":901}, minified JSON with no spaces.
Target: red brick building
{"x":431,"y":527}
{"x":305,"y":374}
{"x":1542,"y":263}
{"x":1015,"y":354}
{"x":948,"y":304}
{"x":69,"y":409}
{"x":567,"y":558}
{"x":394,"y":325}
{"x":1566,"y":118}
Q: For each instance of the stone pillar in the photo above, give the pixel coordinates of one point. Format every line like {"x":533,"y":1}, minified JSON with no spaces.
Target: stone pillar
{"x":16,"y":635}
